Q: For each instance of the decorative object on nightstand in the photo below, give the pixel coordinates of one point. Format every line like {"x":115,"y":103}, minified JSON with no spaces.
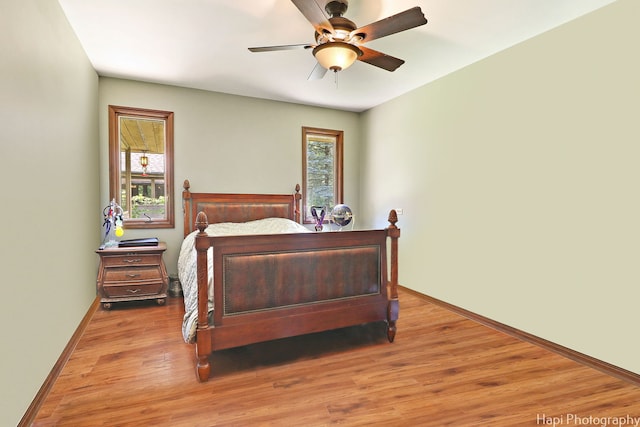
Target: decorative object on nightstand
{"x":132,"y":273}
{"x":112,"y":224}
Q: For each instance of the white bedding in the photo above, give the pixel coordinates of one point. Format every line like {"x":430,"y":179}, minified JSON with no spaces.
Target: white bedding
{"x":187,"y":262}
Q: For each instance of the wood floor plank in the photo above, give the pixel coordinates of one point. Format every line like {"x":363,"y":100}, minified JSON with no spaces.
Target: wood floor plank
{"x":131,"y":368}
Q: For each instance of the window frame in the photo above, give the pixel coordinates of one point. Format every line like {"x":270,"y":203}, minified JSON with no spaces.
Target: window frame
{"x":115,"y":184}
{"x":338,"y":186}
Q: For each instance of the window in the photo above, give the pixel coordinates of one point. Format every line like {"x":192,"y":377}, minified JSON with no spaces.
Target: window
{"x":141,"y":165}
{"x":321,"y":170}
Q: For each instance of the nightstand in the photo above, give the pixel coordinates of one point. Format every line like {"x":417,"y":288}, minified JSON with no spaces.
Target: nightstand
{"x":132,"y":274}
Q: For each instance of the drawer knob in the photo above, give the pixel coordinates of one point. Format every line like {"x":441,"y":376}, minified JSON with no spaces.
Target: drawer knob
{"x":131,"y":275}
{"x":133,"y":291}
{"x":132,"y":260}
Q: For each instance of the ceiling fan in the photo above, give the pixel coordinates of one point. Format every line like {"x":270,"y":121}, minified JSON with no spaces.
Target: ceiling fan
{"x":338,"y":41}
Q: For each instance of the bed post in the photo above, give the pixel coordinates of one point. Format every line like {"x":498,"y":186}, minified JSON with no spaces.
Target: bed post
{"x":186,"y":207}
{"x":203,"y":337}
{"x":393,"y":308}
{"x":296,"y":205}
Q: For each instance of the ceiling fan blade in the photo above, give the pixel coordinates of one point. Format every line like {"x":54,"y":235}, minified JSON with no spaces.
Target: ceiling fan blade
{"x":314,"y":14}
{"x":317,"y":73}
{"x":410,"y":18}
{"x":379,"y":59}
{"x":283,"y":47}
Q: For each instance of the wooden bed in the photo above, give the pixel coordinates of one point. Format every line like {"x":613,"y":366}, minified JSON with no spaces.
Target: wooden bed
{"x":273,"y":286}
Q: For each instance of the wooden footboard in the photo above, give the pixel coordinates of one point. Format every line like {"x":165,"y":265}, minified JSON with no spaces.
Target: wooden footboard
{"x":267,"y":287}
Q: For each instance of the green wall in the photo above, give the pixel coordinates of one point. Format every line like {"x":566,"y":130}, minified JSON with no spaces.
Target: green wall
{"x":518,"y":177}
{"x":50,"y":210}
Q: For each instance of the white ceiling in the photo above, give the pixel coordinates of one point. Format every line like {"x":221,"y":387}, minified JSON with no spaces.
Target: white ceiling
{"x":203,"y":44}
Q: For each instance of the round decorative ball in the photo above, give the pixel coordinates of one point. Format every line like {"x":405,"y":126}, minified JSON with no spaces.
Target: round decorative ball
{"x":341,"y":215}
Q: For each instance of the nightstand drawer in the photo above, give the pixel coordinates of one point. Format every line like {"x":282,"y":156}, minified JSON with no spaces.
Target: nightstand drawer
{"x":131,"y":260}
{"x":132,"y":290}
{"x":127,"y":275}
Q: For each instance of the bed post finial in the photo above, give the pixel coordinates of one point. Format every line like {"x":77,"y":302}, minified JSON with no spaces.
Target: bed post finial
{"x":186,"y":185}
{"x":202,"y":222}
{"x":393,"y":218}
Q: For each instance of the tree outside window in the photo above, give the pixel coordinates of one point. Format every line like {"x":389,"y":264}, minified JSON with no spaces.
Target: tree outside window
{"x":321,"y":170}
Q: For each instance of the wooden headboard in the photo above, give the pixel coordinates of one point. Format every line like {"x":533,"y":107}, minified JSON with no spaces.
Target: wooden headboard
{"x":226,"y":207}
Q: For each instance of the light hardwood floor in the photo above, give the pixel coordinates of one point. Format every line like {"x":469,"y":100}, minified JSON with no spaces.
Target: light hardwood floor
{"x":131,"y":367}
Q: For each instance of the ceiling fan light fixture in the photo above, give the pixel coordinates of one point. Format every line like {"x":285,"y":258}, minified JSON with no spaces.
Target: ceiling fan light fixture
{"x":336,"y":56}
